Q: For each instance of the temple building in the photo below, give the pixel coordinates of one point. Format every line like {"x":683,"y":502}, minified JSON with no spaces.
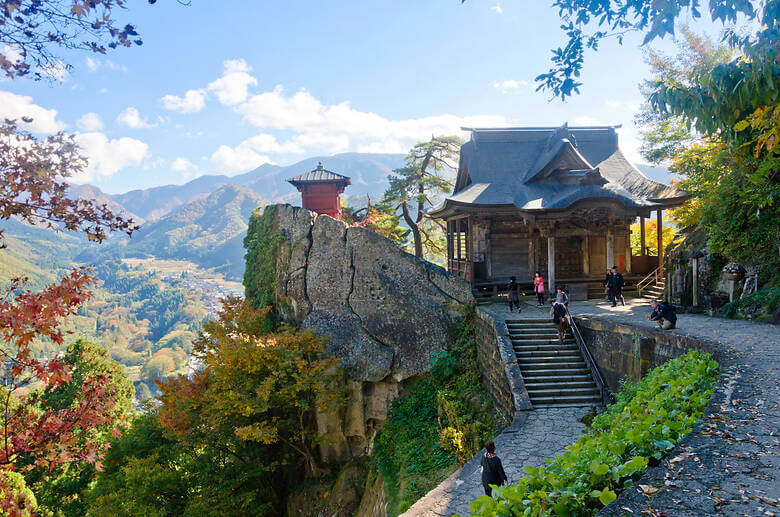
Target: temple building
{"x":321,"y":190}
{"x":559,"y":200}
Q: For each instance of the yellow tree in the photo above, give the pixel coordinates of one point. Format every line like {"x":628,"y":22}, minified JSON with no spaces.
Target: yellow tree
{"x":651,"y":237}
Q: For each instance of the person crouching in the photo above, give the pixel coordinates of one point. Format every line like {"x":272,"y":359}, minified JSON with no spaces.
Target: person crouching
{"x":664,"y":314}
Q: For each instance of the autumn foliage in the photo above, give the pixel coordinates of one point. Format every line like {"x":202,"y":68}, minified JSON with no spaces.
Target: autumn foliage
{"x":235,"y":436}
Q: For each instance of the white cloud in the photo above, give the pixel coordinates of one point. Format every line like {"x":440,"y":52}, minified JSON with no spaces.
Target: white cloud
{"x":90,"y":122}
{"x":11,"y":53}
{"x":57,"y":71}
{"x":587,"y":120}
{"x":512,"y":86}
{"x":340,"y":127}
{"x":106,"y":157}
{"x":193,"y":101}
{"x":233,"y":87}
{"x":131,"y":118}
{"x":497,"y":9}
{"x":13,"y":106}
{"x":629,"y":107}
{"x":187,"y":169}
{"x":93,"y":64}
{"x":238,"y":159}
{"x":96,"y":64}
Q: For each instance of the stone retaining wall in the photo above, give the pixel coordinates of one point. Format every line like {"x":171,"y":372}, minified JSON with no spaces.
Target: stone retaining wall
{"x":498,"y":364}
{"x":628,"y":351}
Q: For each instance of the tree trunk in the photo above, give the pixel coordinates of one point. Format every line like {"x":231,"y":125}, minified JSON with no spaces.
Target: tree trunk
{"x":418,"y":250}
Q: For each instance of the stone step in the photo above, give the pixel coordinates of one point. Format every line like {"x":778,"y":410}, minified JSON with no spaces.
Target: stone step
{"x":540,"y":379}
{"x":550,"y":341}
{"x":530,"y":329}
{"x":550,"y":363}
{"x":568,"y":404}
{"x":550,"y":334}
{"x":539,"y":386}
{"x":566,"y":399}
{"x":534,"y":355}
{"x":560,"y":391}
{"x":522,"y":347}
{"x":524,"y":321}
{"x":530,"y":373}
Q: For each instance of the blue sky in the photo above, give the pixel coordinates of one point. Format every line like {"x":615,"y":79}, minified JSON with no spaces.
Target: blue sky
{"x":223,"y":90}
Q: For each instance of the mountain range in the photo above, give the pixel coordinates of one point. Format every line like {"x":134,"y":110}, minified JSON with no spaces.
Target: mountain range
{"x":205,"y":220}
{"x":368,"y":173}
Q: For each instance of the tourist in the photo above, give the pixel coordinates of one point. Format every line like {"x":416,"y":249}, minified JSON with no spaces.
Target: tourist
{"x":514,"y":299}
{"x":561,"y":297}
{"x":616,"y":287}
{"x":539,"y":288}
{"x":492,"y":469}
{"x":664,"y":314}
{"x":558,"y":313}
{"x":607,"y":291}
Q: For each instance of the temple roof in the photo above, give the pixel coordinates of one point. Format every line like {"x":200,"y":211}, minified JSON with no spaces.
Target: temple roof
{"x":550,"y":168}
{"x":319,"y":175}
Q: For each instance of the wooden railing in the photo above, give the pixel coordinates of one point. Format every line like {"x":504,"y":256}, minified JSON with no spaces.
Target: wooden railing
{"x":606,"y":394}
{"x":651,"y":279}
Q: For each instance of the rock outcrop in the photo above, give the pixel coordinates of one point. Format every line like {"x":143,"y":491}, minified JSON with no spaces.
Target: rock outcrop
{"x":386,"y":311}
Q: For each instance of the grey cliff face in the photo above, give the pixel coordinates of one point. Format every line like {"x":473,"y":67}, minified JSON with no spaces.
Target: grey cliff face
{"x":386,"y":311}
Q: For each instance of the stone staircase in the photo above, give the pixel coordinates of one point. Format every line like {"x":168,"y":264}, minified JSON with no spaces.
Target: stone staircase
{"x":654,"y":291}
{"x":555,"y":375}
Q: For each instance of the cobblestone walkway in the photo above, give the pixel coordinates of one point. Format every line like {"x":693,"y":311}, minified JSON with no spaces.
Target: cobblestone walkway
{"x":729,"y":464}
{"x":534,"y":436}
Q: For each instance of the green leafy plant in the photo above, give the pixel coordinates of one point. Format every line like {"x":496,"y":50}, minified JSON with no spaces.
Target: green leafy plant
{"x":645,"y":423}
{"x":439,"y":424}
{"x":262,"y":246}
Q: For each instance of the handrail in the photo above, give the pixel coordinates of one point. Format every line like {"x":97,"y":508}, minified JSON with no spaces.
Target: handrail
{"x":646,"y":280}
{"x":603,"y":388}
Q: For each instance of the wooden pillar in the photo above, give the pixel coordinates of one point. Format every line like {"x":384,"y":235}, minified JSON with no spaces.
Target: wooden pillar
{"x":628,"y":250}
{"x":695,"y":281}
{"x":585,"y":255}
{"x":642,"y":245}
{"x":532,"y":255}
{"x":470,"y":249}
{"x":610,"y":248}
{"x":660,"y":231}
{"x":551,"y":263}
{"x":489,"y":250}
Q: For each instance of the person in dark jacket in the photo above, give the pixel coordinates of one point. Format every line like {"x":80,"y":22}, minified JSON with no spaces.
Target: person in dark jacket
{"x":663,"y":313}
{"x":558,"y":313}
{"x":607,"y":281}
{"x":492,"y":469}
{"x":514,"y":299}
{"x":616,"y":283}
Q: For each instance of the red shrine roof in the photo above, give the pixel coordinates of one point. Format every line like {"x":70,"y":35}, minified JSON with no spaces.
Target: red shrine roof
{"x":319,"y":175}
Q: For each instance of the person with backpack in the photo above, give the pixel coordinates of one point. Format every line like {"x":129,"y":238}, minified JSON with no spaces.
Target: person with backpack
{"x":558,"y":313}
{"x":665,"y":314}
{"x":561,"y":296}
{"x":492,"y":469}
{"x":514,"y":299}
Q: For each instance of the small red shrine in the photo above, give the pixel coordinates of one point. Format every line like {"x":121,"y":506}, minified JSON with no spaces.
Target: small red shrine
{"x":321,"y":190}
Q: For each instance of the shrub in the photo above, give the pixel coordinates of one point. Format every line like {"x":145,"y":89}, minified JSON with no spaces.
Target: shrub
{"x":439,"y":424}
{"x":644,"y":424}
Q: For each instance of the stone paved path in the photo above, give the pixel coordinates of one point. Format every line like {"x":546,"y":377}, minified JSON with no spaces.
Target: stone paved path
{"x":534,"y":436}
{"x":729,"y":464}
